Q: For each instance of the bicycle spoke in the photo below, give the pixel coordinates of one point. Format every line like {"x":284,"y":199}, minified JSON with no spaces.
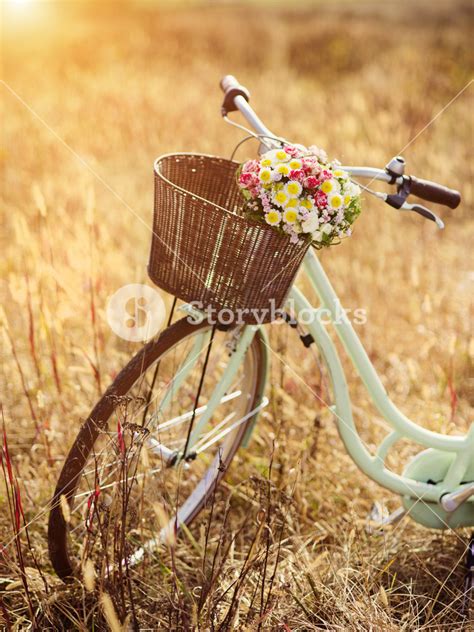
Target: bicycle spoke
{"x":136,"y":461}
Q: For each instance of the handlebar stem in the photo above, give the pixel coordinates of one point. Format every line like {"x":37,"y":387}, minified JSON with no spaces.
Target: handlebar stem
{"x":251,"y":117}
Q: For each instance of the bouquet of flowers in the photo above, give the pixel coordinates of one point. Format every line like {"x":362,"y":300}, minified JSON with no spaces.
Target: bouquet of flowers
{"x":296,"y":190}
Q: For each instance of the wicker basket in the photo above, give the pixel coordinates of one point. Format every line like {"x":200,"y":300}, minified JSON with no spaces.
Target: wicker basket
{"x":204,"y":250}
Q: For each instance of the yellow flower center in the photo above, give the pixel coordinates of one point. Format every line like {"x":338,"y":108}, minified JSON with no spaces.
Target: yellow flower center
{"x":283,"y":169}
{"x":293,"y":188}
{"x":272,"y":217}
{"x":290,"y":216}
{"x":281,"y":155}
{"x":336,"y":201}
{"x":306,"y":204}
{"x":265,"y":162}
{"x":265,"y":175}
{"x":281,"y":197}
{"x":347,"y":200}
{"x":295,"y":164}
{"x":327,"y":186}
{"x":292,"y":203}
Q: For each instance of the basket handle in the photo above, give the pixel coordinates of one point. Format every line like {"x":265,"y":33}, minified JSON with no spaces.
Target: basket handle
{"x":232,"y":88}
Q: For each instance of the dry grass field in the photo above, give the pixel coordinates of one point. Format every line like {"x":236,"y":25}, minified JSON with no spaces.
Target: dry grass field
{"x":91,"y":94}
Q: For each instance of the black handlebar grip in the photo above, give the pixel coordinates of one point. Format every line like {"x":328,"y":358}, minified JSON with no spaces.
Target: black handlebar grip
{"x":232,"y":88}
{"x":433,"y":192}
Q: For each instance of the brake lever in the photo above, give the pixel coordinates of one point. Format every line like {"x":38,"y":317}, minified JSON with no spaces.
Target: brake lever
{"x":423,"y":211}
{"x":398,"y":200}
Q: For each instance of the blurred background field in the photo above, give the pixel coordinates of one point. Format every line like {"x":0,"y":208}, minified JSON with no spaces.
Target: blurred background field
{"x":92,"y":93}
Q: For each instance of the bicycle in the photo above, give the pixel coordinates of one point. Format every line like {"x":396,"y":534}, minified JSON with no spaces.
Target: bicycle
{"x":183,"y":411}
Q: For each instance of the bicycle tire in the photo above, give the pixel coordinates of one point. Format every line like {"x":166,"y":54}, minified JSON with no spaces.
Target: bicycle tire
{"x":58,"y":539}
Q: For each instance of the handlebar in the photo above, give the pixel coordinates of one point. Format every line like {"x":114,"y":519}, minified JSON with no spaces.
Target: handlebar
{"x":236,"y":97}
{"x":231,"y":89}
{"x":432,"y":192}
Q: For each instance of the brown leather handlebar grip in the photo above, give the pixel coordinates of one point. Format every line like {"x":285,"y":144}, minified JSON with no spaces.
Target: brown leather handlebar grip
{"x":433,"y":192}
{"x":232,"y":88}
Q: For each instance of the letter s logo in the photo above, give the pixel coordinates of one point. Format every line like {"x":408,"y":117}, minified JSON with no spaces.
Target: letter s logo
{"x":136,"y":312}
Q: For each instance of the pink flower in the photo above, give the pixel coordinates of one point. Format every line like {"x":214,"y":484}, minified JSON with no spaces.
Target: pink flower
{"x":308,"y":163}
{"x":251,"y":166}
{"x":319,"y":153}
{"x":265,"y":201}
{"x":311,"y":182}
{"x":246,"y":179}
{"x":253,"y":191}
{"x":320,"y":199}
{"x":311,"y":166}
{"x":325,"y":175}
{"x":297,"y":174}
{"x":291,"y":150}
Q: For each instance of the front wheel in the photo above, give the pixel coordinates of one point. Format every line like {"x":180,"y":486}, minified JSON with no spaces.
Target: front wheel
{"x":123,"y":488}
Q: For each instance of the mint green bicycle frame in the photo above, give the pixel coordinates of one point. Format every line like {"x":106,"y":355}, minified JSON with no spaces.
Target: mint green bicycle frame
{"x":437,"y":486}
{"x":449,"y":460}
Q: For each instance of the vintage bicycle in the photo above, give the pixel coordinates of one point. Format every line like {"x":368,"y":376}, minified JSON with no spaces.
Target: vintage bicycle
{"x":154,"y":448}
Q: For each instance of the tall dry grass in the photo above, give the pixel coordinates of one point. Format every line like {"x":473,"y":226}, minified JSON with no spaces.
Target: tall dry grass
{"x":101,"y":90}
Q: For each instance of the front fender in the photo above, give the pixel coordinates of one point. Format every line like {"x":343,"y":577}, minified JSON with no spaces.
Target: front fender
{"x":262,"y":340}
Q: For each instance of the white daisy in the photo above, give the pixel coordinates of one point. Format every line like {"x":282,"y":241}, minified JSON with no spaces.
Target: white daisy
{"x":276,"y":156}
{"x":280,"y":197}
{"x":295,"y":163}
{"x":330,"y":186}
{"x":265,"y":175}
{"x":293,"y":188}
{"x":340,"y":173}
{"x":273,"y":218}
{"x":311,"y":223}
{"x":290,"y":216}
{"x":282,"y":168}
{"x":335,"y":201}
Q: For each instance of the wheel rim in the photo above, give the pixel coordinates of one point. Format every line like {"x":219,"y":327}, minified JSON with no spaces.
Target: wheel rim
{"x":128,"y":499}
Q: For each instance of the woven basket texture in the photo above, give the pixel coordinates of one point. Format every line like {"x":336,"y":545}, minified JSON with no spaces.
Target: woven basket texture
{"x":203,"y":248}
